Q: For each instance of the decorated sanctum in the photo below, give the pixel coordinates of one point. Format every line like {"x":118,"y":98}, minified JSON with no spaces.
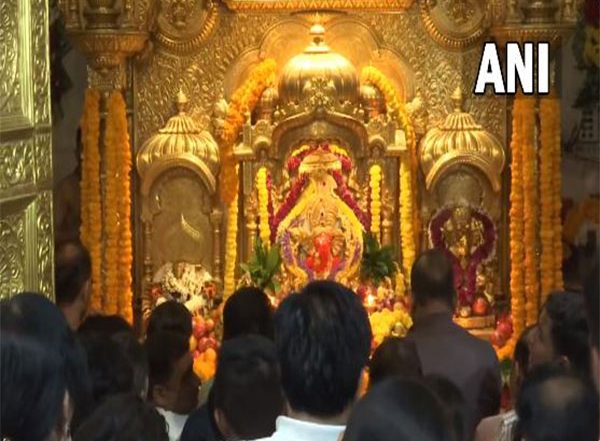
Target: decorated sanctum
{"x":271,"y":143}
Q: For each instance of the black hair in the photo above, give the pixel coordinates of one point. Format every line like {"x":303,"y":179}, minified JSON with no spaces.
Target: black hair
{"x":124,"y":418}
{"x":247,"y":386}
{"x":35,"y":316}
{"x":164,"y":349}
{"x":170,"y":316}
{"x":135,"y":353}
{"x":398,"y":409}
{"x":107,"y":325}
{"x":592,"y":298}
{"x":33,"y":389}
{"x":555,"y":404}
{"x":110,"y":370}
{"x":72,"y":270}
{"x":247,"y":311}
{"x":323,"y":339}
{"x":569,"y":328}
{"x":453,"y":403}
{"x":432,"y":278}
{"x":395,"y":357}
{"x":522,"y":350}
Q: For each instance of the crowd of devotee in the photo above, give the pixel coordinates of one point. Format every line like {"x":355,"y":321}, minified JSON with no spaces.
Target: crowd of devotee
{"x":304,"y":371}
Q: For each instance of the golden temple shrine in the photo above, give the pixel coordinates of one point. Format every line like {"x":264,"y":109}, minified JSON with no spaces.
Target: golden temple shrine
{"x":325,"y":130}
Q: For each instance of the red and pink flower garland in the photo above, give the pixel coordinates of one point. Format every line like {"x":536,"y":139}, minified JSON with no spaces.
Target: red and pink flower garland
{"x":465,"y":280}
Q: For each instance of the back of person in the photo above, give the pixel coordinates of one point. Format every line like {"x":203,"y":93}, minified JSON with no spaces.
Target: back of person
{"x":556,"y":405}
{"x":453,"y":404}
{"x":398,"y":410}
{"x":123,"y":418}
{"x":394,"y":357}
{"x":445,"y":348}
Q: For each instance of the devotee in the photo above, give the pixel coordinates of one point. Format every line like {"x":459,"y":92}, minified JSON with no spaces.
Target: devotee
{"x":247,"y":311}
{"x":562,"y":333}
{"x":592,"y":297}
{"x":323,"y":338}
{"x":247,"y":388}
{"x":398,"y":409}
{"x":124,"y":417}
{"x":173,"y":385}
{"x":35,"y":404}
{"x":502,"y":427}
{"x":108,"y":325}
{"x":34,"y":316}
{"x":556,"y":404}
{"x":394,"y":357}
{"x":136,"y":355}
{"x":72,"y":278}
{"x":453,"y":404}
{"x":170,"y":316}
{"x":444,"y":347}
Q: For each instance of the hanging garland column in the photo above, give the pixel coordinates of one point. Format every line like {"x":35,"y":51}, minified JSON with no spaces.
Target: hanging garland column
{"x":530,"y":210}
{"x":375,"y":200}
{"x":91,"y":204}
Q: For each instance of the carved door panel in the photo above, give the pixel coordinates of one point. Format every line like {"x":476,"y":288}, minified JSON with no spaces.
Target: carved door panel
{"x":26,"y":237}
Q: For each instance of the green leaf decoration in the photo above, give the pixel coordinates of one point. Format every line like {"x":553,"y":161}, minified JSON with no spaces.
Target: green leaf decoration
{"x":377,"y":261}
{"x":264,"y":266}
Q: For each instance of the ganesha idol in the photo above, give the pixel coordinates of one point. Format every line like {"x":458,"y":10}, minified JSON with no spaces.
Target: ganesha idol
{"x":467,"y":236}
{"x":321,"y":234}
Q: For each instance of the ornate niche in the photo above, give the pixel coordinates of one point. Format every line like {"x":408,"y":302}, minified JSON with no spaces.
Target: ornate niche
{"x":181,"y":221}
{"x":462,"y":164}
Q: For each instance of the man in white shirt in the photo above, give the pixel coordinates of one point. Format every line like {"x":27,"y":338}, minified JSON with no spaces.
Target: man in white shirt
{"x":323,"y":339}
{"x":173,"y":385}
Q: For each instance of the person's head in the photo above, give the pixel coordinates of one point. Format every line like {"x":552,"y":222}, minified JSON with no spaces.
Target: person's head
{"x":398,"y":409}
{"x":124,"y":418}
{"x":170,"y":316}
{"x":562,"y":333}
{"x":395,"y":357}
{"x":34,"y":391}
{"x":556,"y":404}
{"x":521,"y":355}
{"x":135,"y":353}
{"x":247,"y":388}
{"x":592,"y":297}
{"x":173,"y":385}
{"x":106,"y":325}
{"x":453,"y":403}
{"x":34,"y":316}
{"x":323,"y":339}
{"x":72,"y":278}
{"x":110,"y":370}
{"x":432,"y":280}
{"x":247,"y":311}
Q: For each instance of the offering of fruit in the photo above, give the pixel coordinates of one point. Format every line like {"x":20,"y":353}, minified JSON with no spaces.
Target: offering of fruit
{"x":204,"y":344}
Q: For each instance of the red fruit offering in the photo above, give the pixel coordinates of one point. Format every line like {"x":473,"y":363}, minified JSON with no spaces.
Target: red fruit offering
{"x":203,"y":344}
{"x":199,"y":330}
{"x":196,"y":354}
{"x":504,"y":329}
{"x":497,"y":339}
{"x":480,"y":306}
{"x":211,"y":342}
{"x":210,"y":324}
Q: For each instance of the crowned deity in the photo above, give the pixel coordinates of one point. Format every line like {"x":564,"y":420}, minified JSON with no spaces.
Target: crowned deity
{"x":463,"y":234}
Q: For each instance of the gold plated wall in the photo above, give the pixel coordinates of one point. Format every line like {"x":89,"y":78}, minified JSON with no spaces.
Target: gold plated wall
{"x":26,"y":239}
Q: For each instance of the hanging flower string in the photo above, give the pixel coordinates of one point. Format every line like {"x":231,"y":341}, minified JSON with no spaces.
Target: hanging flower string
{"x":554,"y":128}
{"x":516,"y":229}
{"x":91,"y":204}
{"x":231,"y":248}
{"x":530,"y":202}
{"x":375,"y":199}
{"x":263,"y":206}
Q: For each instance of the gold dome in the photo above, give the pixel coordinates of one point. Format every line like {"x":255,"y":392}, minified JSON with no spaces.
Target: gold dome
{"x":317,"y":61}
{"x":460,"y":140}
{"x":267,"y":103}
{"x":181,"y":142}
{"x":372,"y":100}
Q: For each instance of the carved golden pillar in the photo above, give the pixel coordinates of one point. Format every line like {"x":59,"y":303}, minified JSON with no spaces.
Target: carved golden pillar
{"x":216,"y":219}
{"x":250,"y":213}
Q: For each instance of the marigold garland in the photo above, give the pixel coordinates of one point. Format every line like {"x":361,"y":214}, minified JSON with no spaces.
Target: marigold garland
{"x":242,"y":102}
{"x":530,"y":212}
{"x":409,"y":216}
{"x":516,"y":230}
{"x":91,"y":205}
{"x":263,"y":206}
{"x":231,"y":248}
{"x":554,"y":125}
{"x":547,"y":229}
{"x":375,"y":187}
